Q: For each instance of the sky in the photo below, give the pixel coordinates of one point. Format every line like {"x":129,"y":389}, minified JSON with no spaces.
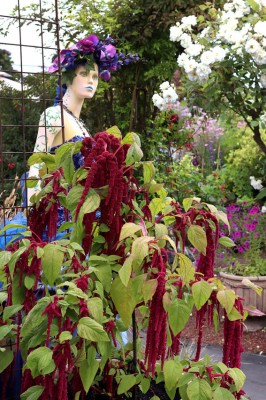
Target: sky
{"x":31,"y":57}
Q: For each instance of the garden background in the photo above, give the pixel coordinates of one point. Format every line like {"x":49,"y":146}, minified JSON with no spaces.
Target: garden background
{"x":204,"y":144}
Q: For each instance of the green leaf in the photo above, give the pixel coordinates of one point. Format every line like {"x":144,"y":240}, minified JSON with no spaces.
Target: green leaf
{"x":11,"y":226}
{"x":172,"y":371}
{"x":67,"y":164}
{"x":31,"y":182}
{"x":201,"y":292}
{"x":234,"y":315}
{"x":18,"y":290}
{"x":33,"y":393}
{"x":238,"y":377}
{"x":226,"y":241}
{"x":40,"y":361}
{"x":145,"y":385}
{"x":134,"y":154}
{"x":199,"y":389}
{"x":11,"y":310}
{"x":65,"y":335}
{"x":123,"y":299}
{"x":114,"y":130}
{"x":91,"y":203}
{"x":197,"y":237}
{"x":131,"y":138}
{"x":95,"y":306}
{"x":187,"y":203}
{"x":125,"y":271}
{"x":254,"y":5}
{"x":179,"y":313}
{"x":140,"y":249}
{"x":89,"y":368}
{"x":227,"y":299}
{"x":148,"y":172}
{"x":261,"y":194}
{"x":160,"y":231}
{"x":223,"y":394}
{"x":34,"y":159}
{"x":52,"y":261}
{"x":129,"y":229}
{"x":73,"y":197}
{"x":91,"y":330}
{"x":186,"y":269}
{"x":29,"y":282}
{"x":5,"y":330}
{"x":126,"y":383}
{"x":104,"y":274}
{"x":5,"y":257}
{"x":6,"y":359}
{"x":149,"y":288}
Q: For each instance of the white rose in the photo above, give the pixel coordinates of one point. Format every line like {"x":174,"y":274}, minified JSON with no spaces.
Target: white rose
{"x":185,"y":40}
{"x":260,"y":57}
{"x":194,"y":50}
{"x":263,"y":80}
{"x":165,"y":85}
{"x":219,"y":53}
{"x":207,"y":57}
{"x":175,"y":33}
{"x":170,"y":95}
{"x":260,"y":28}
{"x":157,"y":100}
{"x":182,"y":59}
{"x":203,"y":72}
{"x":190,"y":65}
{"x":252,"y":46}
{"x":263,"y":209}
{"x":190,"y":20}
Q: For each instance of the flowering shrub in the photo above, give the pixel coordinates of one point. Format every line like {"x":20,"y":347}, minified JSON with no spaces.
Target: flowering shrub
{"x":248,"y":231}
{"x":186,"y":129}
{"x":114,"y":259}
{"x":228,"y":57}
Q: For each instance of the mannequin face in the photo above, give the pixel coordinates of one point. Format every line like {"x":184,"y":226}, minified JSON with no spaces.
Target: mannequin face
{"x":85,"y":83}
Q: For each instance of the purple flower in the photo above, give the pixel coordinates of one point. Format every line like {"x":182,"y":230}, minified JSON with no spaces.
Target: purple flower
{"x":88,"y":44}
{"x":105,"y":75}
{"x":240,"y":249}
{"x":254,"y":210}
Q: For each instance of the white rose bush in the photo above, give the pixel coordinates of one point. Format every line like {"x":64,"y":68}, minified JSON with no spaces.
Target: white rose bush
{"x":224,"y":60}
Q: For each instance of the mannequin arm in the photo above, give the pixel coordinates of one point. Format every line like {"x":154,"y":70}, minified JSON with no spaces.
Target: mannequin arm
{"x":49,"y":126}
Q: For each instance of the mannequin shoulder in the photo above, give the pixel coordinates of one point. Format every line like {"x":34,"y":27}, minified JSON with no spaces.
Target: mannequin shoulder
{"x":50,"y":116}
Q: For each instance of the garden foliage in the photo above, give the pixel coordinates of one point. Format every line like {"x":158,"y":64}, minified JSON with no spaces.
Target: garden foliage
{"x":65,"y":302}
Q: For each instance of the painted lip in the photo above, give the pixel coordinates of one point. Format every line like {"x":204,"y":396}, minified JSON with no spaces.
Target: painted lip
{"x":89,"y":88}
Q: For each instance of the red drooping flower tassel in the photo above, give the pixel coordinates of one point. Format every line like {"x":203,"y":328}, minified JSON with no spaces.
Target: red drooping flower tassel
{"x":233,"y":333}
{"x":156,"y":333}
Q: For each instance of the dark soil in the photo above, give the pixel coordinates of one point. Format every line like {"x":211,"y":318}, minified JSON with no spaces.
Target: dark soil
{"x":253,"y":342}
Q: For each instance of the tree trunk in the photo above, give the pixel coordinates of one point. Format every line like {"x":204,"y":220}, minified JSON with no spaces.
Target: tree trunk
{"x":258,"y":139}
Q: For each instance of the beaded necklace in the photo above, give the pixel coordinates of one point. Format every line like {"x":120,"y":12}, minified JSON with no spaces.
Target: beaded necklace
{"x":81,"y":124}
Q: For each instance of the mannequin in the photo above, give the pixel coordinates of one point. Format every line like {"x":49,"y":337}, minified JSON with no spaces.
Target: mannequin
{"x":81,"y":65}
{"x":50,"y":133}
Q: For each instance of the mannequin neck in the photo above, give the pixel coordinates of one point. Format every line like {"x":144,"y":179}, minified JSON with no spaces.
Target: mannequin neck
{"x":73,"y":103}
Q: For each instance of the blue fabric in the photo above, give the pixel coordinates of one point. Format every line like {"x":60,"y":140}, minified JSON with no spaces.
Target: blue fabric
{"x":20,"y":219}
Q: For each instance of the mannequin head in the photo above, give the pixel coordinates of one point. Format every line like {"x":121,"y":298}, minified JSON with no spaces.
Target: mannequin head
{"x":85,"y":81}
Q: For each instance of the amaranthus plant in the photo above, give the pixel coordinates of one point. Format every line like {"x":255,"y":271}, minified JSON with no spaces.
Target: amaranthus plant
{"x":224,"y":59}
{"x":66,"y":301}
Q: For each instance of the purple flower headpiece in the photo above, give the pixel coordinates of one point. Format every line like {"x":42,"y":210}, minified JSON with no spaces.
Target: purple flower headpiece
{"x":103,"y":53}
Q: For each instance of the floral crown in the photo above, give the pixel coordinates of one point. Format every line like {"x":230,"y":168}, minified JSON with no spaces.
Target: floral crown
{"x":89,"y":50}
